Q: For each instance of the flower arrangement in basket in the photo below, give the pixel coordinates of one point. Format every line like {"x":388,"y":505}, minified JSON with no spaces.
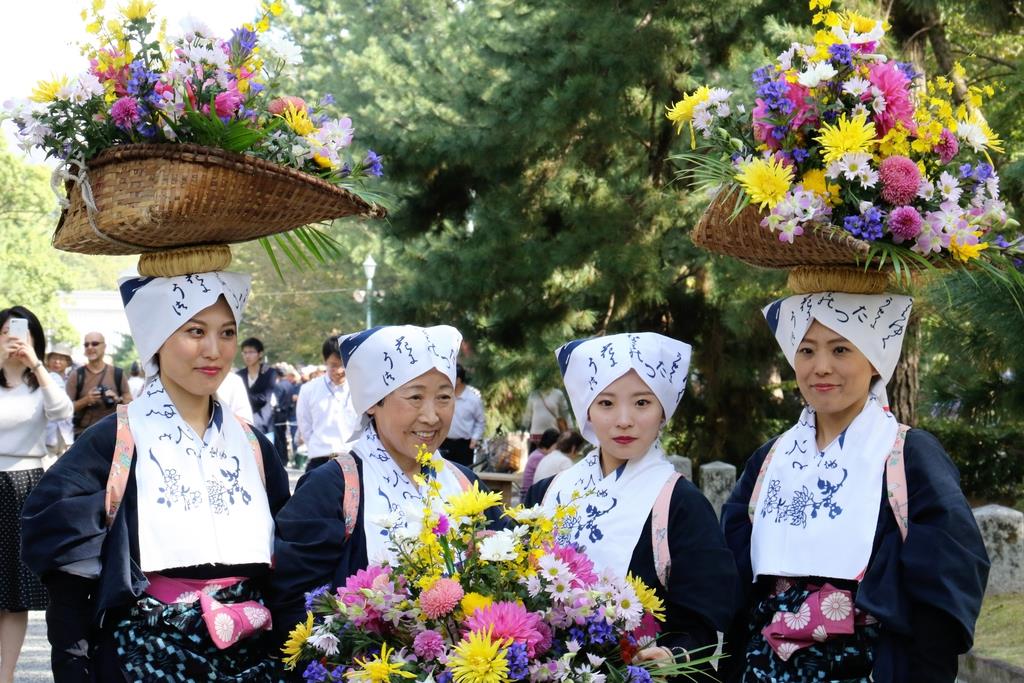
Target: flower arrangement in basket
{"x":851,"y":157}
{"x":172,"y":141}
{"x":461,"y":605}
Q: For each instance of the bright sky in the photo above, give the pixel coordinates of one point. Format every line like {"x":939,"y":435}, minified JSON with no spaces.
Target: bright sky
{"x":39,"y":38}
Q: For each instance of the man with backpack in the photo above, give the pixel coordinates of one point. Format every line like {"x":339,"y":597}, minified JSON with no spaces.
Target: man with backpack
{"x":96,"y":387}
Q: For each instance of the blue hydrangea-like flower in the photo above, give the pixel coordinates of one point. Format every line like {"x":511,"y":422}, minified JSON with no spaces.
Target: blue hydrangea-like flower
{"x":312,"y":595}
{"x":315,"y":672}
{"x":762,"y":75}
{"x":841,"y":55}
{"x":638,"y":674}
{"x":373,"y":164}
{"x":599,"y":632}
{"x":518,"y":662}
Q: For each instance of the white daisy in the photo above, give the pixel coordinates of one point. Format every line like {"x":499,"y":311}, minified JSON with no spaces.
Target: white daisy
{"x":856,"y":86}
{"x":949,"y":187}
{"x":836,"y":606}
{"x":926,"y":190}
{"x":852,"y":164}
{"x":501,"y":547}
{"x":858,"y":109}
{"x":815,"y":73}
{"x":325,"y":642}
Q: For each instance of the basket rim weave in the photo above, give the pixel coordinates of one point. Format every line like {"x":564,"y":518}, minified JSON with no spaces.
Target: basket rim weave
{"x":239,"y":165}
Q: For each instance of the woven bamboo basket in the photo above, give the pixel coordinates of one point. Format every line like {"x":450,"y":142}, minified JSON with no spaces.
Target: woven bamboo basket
{"x":745,"y":239}
{"x":151,"y":198}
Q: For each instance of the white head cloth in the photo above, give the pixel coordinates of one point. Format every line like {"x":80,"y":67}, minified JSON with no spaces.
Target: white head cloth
{"x":157,"y":306}
{"x":874,"y":323}
{"x":590,"y":365}
{"x":379,"y":360}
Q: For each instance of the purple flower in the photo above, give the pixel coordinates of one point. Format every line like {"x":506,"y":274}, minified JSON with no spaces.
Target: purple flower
{"x":830,"y":116}
{"x":983,"y":172}
{"x":242,"y":43}
{"x":779,"y":132}
{"x":600,"y":632}
{"x":428,"y":644}
{"x":637,"y":674}
{"x":904,"y":223}
{"x":947,"y":146}
{"x":373,"y":164}
{"x":762,"y":75}
{"x":518,"y":662}
{"x":312,"y":595}
{"x":908,"y":70}
{"x":966,"y":170}
{"x":867,"y":226}
{"x":315,"y":672}
{"x":799,"y":155}
{"x":774,"y":96}
{"x":841,"y":54}
{"x":327,"y":99}
{"x":442,"y":526}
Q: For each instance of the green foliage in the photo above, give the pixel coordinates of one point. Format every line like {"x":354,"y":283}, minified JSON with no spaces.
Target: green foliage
{"x":990,"y":458}
{"x":31,"y":275}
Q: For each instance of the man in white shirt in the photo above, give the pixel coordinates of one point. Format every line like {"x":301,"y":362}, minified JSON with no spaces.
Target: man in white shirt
{"x":467,"y":424}
{"x":328,"y":424}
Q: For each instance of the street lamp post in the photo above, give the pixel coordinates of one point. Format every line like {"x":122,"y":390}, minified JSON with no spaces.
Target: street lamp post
{"x":369,"y":268}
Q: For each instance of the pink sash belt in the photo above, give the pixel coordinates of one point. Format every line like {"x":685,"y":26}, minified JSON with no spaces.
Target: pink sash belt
{"x":227,"y":623}
{"x":827,"y":611}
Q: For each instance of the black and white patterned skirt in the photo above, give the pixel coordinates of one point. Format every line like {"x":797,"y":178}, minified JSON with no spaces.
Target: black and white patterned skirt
{"x":20,"y":589}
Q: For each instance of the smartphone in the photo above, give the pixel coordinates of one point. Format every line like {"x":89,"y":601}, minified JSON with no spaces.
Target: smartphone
{"x":18,"y":327}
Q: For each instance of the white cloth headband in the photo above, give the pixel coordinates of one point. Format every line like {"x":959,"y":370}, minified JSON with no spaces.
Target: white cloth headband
{"x":874,"y":323}
{"x":379,"y":360}
{"x":590,"y":365}
{"x":157,"y":306}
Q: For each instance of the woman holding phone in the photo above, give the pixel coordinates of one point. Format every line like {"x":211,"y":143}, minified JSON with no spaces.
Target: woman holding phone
{"x":29,"y":398}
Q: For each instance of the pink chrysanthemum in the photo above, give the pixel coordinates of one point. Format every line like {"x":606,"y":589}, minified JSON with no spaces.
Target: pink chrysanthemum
{"x":895,"y":88}
{"x":508,"y":620}
{"x":904,"y":223}
{"x":901,"y":179}
{"x":374,"y":577}
{"x":947,"y":146}
{"x":578,"y":563}
{"x":441,"y":598}
{"x":428,"y":645}
{"x":125,"y":112}
{"x":227,"y":102}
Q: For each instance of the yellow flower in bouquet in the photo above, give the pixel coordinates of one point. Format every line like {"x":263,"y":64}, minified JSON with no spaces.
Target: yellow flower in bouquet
{"x":846,"y":136}
{"x":648,"y":598}
{"x":471,"y":602}
{"x":136,"y":10}
{"x":296,"y":639}
{"x":766,"y":181}
{"x":378,"y":669}
{"x":471,"y":502}
{"x":480,"y":659}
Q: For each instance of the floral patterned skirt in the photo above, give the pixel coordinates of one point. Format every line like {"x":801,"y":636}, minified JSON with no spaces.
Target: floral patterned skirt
{"x":171,"y":643}
{"x":838,"y":659}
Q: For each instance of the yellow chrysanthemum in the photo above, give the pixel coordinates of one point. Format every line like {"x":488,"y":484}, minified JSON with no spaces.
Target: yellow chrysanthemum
{"x":471,"y":502}
{"x":479,"y":658}
{"x":379,"y":669}
{"x":966,"y":252}
{"x":814,"y":181}
{"x":46,"y":91}
{"x":766,"y":181}
{"x":681,"y":112}
{"x":136,"y":9}
{"x":298,"y":120}
{"x":845,"y":136}
{"x":471,"y":602}
{"x":651,"y":602}
{"x":296,"y":639}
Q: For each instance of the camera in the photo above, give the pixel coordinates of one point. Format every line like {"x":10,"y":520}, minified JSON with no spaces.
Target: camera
{"x":107,"y":401}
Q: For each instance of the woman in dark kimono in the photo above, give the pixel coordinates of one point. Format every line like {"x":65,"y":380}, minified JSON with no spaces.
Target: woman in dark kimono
{"x":637,"y":514}
{"x":154,"y":533}
{"x":859,"y":556}
{"x":403,"y":383}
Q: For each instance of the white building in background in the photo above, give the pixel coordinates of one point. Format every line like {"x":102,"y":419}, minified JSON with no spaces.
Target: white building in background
{"x":95,"y":311}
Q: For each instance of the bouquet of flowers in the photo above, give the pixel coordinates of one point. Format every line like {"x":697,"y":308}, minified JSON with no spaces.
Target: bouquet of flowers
{"x":461,"y":604}
{"x":840,"y":139}
{"x":193,"y":88}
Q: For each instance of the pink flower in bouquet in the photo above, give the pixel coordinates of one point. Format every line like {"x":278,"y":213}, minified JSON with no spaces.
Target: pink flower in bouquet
{"x":947,"y":146}
{"x":119,"y":75}
{"x":374,"y":577}
{"x":904,"y":223}
{"x":901,"y":179}
{"x":227,"y":102}
{"x":508,"y":620}
{"x":895,"y":88}
{"x":441,"y":598}
{"x":279,"y":105}
{"x":579,"y":564}
{"x":428,"y":645}
{"x":649,"y":627}
{"x":125,"y":112}
{"x":442,"y":526}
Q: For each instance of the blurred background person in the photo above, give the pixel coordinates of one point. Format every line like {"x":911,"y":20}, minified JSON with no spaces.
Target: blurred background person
{"x":467,"y":428}
{"x":566,"y":453}
{"x":286,"y":395}
{"x":328,"y":422}
{"x":29,"y":398}
{"x":546,"y":445}
{"x":96,"y":387}
{"x":136,"y":379}
{"x":259,"y":379}
{"x":545,"y":409}
{"x":60,"y":433}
